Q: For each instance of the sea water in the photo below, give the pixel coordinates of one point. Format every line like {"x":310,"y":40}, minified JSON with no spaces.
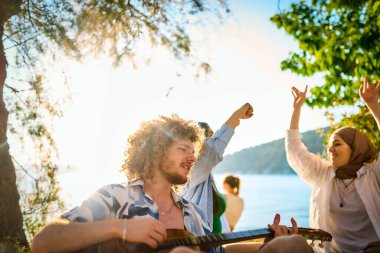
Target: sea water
{"x":266,"y":195}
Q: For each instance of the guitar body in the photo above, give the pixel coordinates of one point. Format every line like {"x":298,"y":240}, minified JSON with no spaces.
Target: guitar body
{"x":179,"y":234}
{"x":178,"y":237}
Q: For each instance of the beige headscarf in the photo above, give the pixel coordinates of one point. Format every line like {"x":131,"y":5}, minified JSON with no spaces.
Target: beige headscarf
{"x":362,"y":148}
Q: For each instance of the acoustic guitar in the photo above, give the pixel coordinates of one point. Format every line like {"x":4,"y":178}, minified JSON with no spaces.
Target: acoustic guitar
{"x":177,"y":237}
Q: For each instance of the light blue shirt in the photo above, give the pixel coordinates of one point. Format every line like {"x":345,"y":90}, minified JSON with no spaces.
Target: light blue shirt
{"x":125,"y":201}
{"x":199,"y":189}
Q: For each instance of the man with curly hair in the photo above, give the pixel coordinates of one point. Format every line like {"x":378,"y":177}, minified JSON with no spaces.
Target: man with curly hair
{"x":159,"y":157}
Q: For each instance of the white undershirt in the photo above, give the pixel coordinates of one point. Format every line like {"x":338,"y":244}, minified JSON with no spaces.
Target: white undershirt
{"x":350,"y":225}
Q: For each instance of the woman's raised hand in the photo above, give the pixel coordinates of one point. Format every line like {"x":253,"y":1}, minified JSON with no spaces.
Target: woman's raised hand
{"x":299,"y":97}
{"x":369,"y":93}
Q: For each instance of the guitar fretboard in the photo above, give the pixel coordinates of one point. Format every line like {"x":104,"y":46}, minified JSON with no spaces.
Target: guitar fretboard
{"x":218,"y":239}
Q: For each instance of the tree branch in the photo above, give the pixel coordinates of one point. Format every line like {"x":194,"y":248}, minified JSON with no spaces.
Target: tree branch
{"x":22,"y":168}
{"x":11,"y":88}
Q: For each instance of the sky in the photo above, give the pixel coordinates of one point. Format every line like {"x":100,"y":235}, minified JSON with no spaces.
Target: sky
{"x":108,"y":104}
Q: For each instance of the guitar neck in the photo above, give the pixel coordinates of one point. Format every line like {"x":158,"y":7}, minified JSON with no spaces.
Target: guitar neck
{"x":218,"y":239}
{"x":224,"y":238}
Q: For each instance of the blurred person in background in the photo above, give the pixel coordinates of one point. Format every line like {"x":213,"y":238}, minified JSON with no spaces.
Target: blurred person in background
{"x":235,"y":204}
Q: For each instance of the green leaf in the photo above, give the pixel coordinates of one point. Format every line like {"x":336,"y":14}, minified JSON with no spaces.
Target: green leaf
{"x":376,"y":6}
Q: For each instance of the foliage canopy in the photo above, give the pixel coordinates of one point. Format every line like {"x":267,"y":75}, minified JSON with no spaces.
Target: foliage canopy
{"x":38,"y":33}
{"x":341,"y":41}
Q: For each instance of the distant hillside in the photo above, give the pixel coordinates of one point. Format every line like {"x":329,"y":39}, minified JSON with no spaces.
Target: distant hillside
{"x":268,"y":158}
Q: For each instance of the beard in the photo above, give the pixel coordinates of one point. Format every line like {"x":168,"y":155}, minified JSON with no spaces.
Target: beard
{"x":172,"y":176}
{"x":175,"y":179}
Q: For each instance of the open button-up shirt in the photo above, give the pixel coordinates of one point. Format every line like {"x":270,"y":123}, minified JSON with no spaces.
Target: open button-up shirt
{"x":129,"y":200}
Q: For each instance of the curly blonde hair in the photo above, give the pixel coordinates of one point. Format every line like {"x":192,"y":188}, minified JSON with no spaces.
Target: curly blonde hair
{"x":151,"y":140}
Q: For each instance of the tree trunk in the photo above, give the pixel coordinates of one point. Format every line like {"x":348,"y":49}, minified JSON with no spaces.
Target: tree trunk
{"x":11,"y":221}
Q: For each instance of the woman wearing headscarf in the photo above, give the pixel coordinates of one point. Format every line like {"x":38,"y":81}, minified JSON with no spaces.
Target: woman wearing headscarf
{"x":345,"y":198}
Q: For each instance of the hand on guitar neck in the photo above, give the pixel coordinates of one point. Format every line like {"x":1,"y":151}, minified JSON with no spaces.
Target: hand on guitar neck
{"x":280,"y":230}
{"x":287,"y":238}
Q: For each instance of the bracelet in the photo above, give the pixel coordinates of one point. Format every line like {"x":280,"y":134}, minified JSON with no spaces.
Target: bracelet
{"x":125,"y":230}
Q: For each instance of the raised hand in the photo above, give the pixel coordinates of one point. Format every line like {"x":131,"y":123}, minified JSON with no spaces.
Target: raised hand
{"x":245,"y":112}
{"x":299,"y":97}
{"x":369,"y":93}
{"x":146,"y":230}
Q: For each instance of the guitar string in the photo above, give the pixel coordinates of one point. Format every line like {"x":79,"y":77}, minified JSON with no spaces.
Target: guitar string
{"x":310,"y":234}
